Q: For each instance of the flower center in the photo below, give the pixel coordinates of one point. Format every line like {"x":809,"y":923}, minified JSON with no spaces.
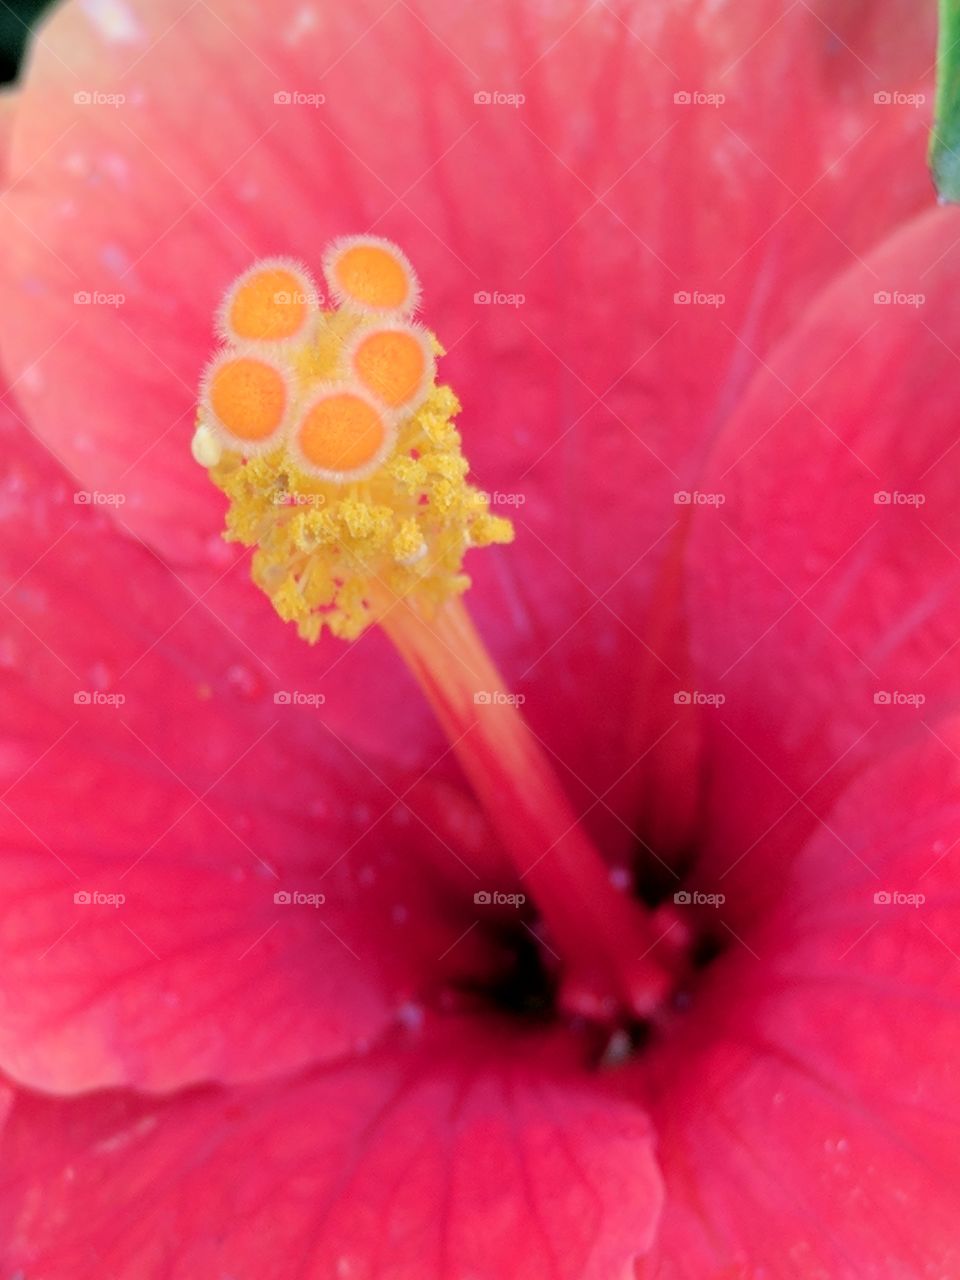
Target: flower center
{"x":329,"y":434}
{"x":336,"y":448}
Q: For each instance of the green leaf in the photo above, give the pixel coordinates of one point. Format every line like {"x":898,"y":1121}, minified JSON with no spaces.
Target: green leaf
{"x":945,"y":139}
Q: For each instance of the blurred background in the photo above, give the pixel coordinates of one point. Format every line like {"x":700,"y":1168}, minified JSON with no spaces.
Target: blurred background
{"x":16,"y":19}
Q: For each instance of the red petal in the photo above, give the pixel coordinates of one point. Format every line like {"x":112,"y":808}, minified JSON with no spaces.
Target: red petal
{"x":809,"y":1116}
{"x":480,"y":1159}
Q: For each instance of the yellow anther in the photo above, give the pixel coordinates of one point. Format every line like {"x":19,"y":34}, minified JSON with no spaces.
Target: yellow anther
{"x":273,"y":302}
{"x":394,"y":362}
{"x":410,"y":472}
{"x":488,"y":529}
{"x":245,"y":401}
{"x":367,"y":273}
{"x":408,"y":545}
{"x":452,"y":466}
{"x":338,"y":454}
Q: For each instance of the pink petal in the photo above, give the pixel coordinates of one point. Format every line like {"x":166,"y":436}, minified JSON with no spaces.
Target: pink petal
{"x":9,"y":98}
{"x":598,"y":199}
{"x":809,"y":1116}
{"x":198,"y":798}
{"x":472,"y":1156}
{"x":824,"y":615}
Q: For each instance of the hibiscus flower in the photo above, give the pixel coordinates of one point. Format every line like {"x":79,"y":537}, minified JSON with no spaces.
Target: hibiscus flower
{"x":283,"y":992}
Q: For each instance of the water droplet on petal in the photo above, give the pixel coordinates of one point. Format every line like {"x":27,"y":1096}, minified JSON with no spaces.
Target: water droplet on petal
{"x":218,"y":552}
{"x":8,"y":653}
{"x":244,"y":681}
{"x":411,"y":1016}
{"x":242,"y":823}
{"x":100,"y":676}
{"x":114,"y":21}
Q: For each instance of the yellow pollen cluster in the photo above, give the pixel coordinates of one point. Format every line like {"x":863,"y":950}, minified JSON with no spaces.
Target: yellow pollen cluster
{"x":328,"y":433}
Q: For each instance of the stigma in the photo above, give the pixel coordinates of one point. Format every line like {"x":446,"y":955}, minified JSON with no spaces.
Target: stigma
{"x":322,"y":420}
